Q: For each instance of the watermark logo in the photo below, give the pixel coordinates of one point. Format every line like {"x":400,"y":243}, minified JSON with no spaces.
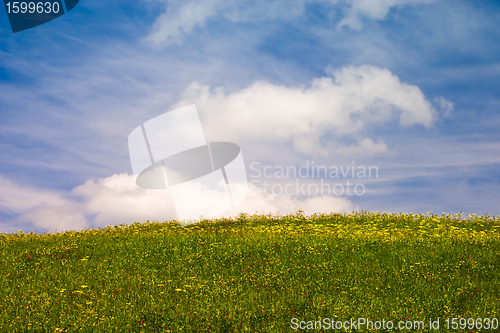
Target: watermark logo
{"x":170,"y":152}
{"x":310,"y":179}
{"x":29,"y":14}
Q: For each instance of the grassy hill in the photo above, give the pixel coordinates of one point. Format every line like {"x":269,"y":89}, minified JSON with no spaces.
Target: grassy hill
{"x":255,"y":274}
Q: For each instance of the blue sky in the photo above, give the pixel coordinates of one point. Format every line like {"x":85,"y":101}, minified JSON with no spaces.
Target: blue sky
{"x":408,"y":86}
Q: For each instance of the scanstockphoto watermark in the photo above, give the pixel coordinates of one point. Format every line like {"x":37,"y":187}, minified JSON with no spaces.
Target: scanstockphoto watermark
{"x":311,"y":179}
{"x":455,"y":324}
{"x":361,"y":324}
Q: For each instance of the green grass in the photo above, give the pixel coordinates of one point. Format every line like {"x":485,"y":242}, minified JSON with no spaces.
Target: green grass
{"x":253,"y":273}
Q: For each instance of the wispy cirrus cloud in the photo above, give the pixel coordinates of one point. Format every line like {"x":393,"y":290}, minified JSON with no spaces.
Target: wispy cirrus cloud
{"x":180,"y":18}
{"x":357,"y":10}
{"x":446,"y":106}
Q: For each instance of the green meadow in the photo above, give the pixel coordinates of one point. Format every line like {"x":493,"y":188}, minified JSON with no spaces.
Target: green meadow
{"x":256,"y":273}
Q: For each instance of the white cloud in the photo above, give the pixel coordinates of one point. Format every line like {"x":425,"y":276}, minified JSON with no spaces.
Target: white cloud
{"x":365,"y":147}
{"x":44,"y":209}
{"x":446,"y":106}
{"x":116,"y":200}
{"x":371,"y":9}
{"x":313,"y":117}
{"x":182,"y":17}
{"x":112,"y":200}
{"x":18,"y":198}
{"x":51,"y":217}
{"x":258,"y":202}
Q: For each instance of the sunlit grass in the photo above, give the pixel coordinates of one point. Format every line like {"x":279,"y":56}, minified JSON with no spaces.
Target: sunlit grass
{"x":253,"y":273}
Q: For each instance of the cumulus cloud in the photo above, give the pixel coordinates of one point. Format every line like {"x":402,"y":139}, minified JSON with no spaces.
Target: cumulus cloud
{"x":51,"y":217}
{"x":44,"y":209}
{"x":370,"y":9}
{"x":258,"y":202}
{"x":112,"y":200}
{"x":116,"y":199}
{"x":313,"y":118}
